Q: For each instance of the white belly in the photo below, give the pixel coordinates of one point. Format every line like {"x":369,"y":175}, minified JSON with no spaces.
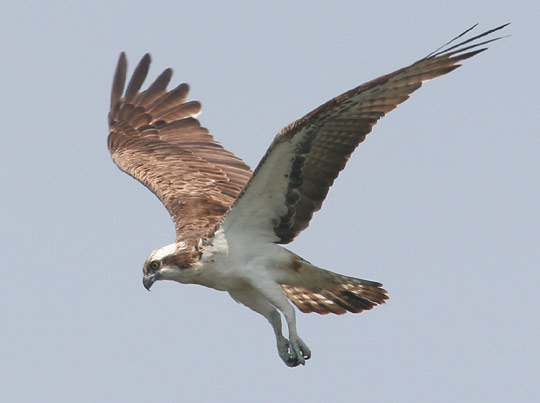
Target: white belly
{"x":231,"y":264}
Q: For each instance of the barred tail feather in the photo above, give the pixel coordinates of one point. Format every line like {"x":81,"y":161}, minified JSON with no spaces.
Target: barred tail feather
{"x":348,"y":294}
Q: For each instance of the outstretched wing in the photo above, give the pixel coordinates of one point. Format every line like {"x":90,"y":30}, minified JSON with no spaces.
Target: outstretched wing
{"x":155,"y":138}
{"x":294,"y":177}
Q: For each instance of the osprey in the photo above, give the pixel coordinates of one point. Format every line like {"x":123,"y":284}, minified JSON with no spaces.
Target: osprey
{"x":230,"y":221}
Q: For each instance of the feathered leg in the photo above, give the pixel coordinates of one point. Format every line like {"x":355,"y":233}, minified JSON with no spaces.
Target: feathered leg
{"x":256,"y":302}
{"x":293,"y":351}
{"x":298,"y":352}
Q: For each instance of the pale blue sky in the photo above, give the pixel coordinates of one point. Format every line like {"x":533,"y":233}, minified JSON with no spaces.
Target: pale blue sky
{"x":440,"y":204}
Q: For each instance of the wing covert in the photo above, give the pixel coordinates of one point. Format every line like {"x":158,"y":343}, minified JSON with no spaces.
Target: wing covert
{"x":293,"y":179}
{"x":155,"y":137}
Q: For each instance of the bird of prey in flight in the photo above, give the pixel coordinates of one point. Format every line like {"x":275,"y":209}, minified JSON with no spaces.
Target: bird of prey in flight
{"x":231,"y":221}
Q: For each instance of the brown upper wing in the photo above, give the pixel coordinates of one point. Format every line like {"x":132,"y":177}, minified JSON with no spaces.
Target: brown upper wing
{"x":294,"y":177}
{"x":155,"y":138}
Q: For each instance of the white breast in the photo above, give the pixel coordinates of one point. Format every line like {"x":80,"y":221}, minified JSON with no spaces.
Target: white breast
{"x":234,"y":262}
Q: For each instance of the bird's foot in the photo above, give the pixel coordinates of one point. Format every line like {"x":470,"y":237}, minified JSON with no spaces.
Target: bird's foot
{"x":293,"y":352}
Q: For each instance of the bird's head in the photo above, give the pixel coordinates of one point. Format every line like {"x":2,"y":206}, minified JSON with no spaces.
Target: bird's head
{"x":172,"y":262}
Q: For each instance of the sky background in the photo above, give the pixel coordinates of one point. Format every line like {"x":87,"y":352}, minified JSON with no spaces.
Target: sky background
{"x":440,"y":204}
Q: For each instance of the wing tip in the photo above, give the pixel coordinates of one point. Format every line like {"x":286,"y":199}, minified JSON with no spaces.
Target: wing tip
{"x":138,"y":77}
{"x":147,"y":58}
{"x":119,"y":79}
{"x":446,"y":49}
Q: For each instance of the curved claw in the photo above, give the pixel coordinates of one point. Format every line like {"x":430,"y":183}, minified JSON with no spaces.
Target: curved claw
{"x":293,"y":362}
{"x":293,"y":353}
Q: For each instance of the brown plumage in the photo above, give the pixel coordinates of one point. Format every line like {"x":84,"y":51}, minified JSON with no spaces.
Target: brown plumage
{"x":155,"y":138}
{"x":348,"y":295}
{"x":331,"y":132}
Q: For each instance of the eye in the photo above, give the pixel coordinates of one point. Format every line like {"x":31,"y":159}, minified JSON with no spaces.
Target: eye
{"x":154,"y":265}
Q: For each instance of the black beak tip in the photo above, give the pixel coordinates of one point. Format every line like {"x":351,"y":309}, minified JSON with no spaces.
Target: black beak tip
{"x":148,"y":281}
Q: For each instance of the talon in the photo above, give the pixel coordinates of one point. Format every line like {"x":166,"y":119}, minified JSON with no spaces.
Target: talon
{"x":307,"y":355}
{"x":292,"y":362}
{"x":293,"y":352}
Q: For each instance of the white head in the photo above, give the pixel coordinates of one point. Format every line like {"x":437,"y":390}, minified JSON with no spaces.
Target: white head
{"x":171,"y":262}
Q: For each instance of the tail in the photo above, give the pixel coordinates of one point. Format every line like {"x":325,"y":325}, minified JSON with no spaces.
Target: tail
{"x":327,"y":292}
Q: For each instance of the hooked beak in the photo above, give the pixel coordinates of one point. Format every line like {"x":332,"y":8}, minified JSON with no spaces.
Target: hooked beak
{"x":149,"y":279}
